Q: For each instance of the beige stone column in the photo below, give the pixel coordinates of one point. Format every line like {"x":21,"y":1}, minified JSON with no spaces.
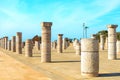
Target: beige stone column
{"x":46,"y":42}
{"x":6,"y":41}
{"x":106,"y":43}
{"x":118,"y":46}
{"x":89,"y":57}
{"x":9,"y":45}
{"x":28,"y":48}
{"x":13,"y":44}
{"x":23,"y":44}
{"x":64,"y":43}
{"x":3,"y":42}
{"x":78,"y":49}
{"x":59,"y":43}
{"x":37,"y":45}
{"x":112,"y":41}
{"x":19,"y":43}
{"x":102,"y":42}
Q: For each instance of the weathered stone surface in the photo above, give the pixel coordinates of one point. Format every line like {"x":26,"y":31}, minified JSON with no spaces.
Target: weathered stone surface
{"x":46,"y":42}
{"x":19,"y":43}
{"x":9,"y":45}
{"x":13,"y":44}
{"x":89,"y":57}
{"x":78,"y":49}
{"x":28,"y":48}
{"x":102,"y":42}
{"x":59,"y":43}
{"x":112,"y":41}
{"x":6,"y":41}
{"x":118,"y":46}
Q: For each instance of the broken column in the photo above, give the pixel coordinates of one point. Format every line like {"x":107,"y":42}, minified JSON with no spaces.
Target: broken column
{"x":19,"y":43}
{"x":28,"y":48}
{"x":89,"y":57}
{"x":46,"y":42}
{"x":112,"y":41}
{"x":9,"y":45}
{"x":102,"y":42}
{"x":13,"y":44}
{"x":59,"y":43}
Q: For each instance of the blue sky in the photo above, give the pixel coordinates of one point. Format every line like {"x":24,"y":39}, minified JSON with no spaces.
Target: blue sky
{"x":67,"y":16}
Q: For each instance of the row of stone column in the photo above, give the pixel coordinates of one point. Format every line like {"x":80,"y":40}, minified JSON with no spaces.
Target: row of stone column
{"x":14,"y":45}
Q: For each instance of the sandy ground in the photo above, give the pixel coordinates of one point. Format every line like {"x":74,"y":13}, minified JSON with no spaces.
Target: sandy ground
{"x":11,"y":69}
{"x":64,"y":66}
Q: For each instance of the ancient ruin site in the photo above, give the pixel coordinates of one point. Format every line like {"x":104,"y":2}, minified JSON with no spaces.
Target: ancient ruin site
{"x":59,"y":40}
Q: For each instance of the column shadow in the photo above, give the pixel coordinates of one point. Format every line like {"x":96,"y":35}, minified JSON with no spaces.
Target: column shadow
{"x":65,"y":61}
{"x":109,"y":74}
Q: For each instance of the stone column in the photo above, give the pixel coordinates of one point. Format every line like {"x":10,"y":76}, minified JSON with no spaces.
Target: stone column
{"x":118,"y":46}
{"x":75,"y":43}
{"x":19,"y":43}
{"x":64,"y":44}
{"x":9,"y":45}
{"x":89,"y":57}
{"x":13,"y":44}
{"x":106,"y":43}
{"x":46,"y":42}
{"x":59,"y":43}
{"x":6,"y":41}
{"x":37,"y":45}
{"x":28,"y":48}
{"x":112,"y":41}
{"x":54,"y":44}
{"x":78,"y":49}
{"x":102,"y":42}
{"x":3,"y":42}
{"x":23,"y":44}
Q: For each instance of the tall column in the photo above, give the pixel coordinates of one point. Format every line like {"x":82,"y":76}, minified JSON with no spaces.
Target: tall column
{"x":64,"y":44}
{"x":102,"y":42}
{"x":106,"y":43}
{"x":3,"y":42}
{"x":89,"y":57}
{"x":6,"y":41}
{"x":46,"y":42}
{"x":13,"y":44}
{"x":112,"y":41}
{"x":28,"y":48}
{"x":118,"y":46}
{"x":59,"y":43}
{"x":9,"y":45}
{"x":19,"y":43}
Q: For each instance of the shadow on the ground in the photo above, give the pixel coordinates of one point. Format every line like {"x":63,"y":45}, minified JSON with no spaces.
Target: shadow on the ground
{"x":109,"y":74}
{"x":64,"y":61}
{"x":118,"y":58}
{"x":36,"y":56}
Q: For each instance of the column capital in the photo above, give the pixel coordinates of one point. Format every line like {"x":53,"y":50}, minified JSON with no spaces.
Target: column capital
{"x":19,"y":33}
{"x":112,"y":26}
{"x":46,"y":24}
{"x":60,"y":34}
